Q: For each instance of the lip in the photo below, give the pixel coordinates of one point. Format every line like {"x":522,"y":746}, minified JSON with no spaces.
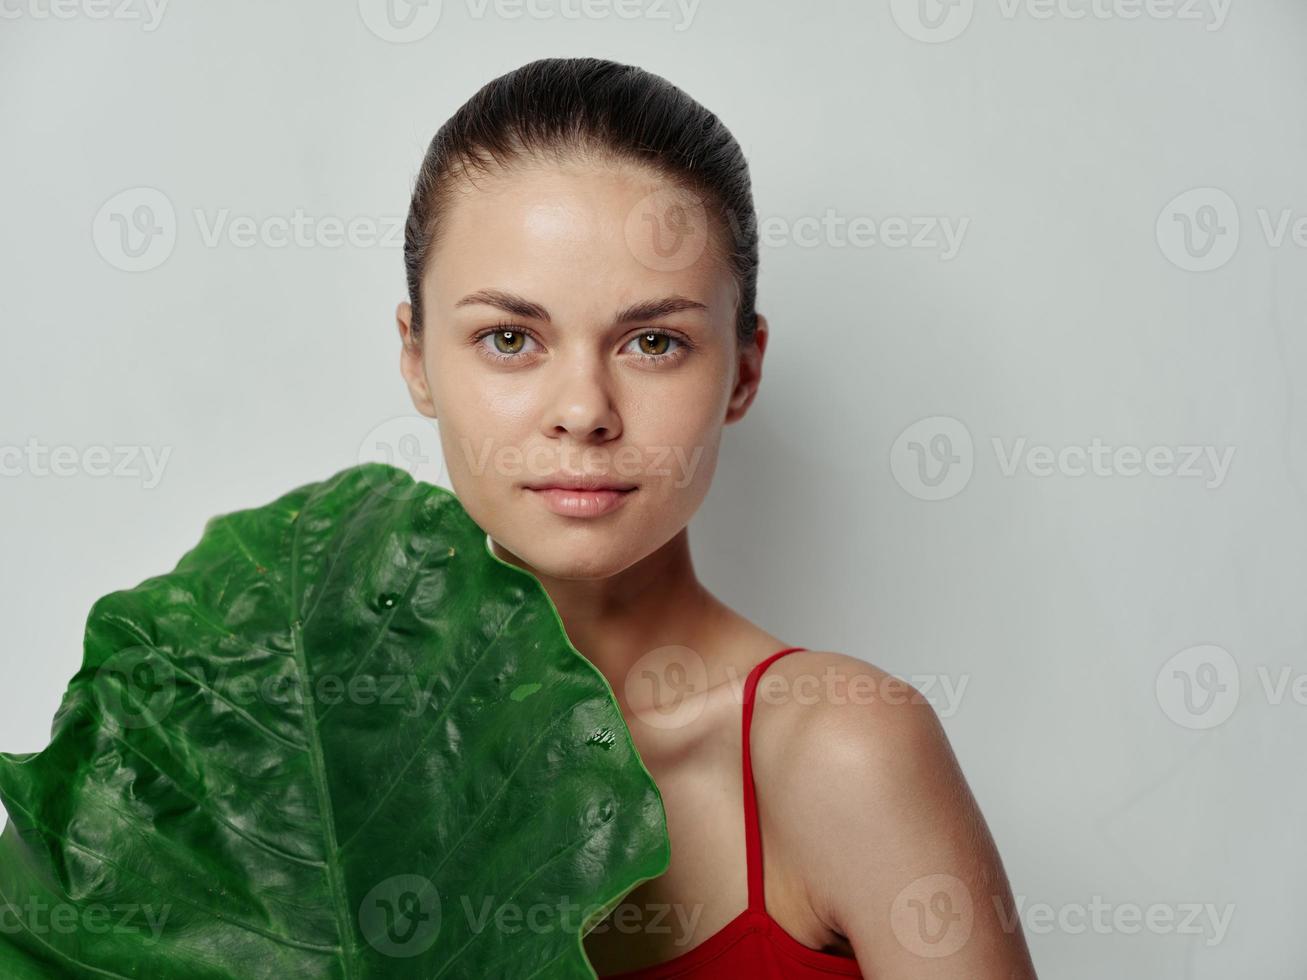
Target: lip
{"x":580,"y":503}
{"x":578,"y":481}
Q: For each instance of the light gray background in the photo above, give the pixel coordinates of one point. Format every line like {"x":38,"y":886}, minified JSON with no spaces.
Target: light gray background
{"x":1073,"y":310}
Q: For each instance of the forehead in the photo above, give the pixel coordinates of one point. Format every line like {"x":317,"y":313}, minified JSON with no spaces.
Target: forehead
{"x":578,"y":237}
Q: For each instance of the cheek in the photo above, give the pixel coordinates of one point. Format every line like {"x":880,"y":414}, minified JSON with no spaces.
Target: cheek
{"x":480,"y":406}
{"x":679,"y":448}
{"x":685,"y":415}
{"x":471,"y":427}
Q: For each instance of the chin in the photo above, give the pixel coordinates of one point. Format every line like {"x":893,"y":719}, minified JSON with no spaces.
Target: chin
{"x":570,"y":556}
{"x":575,"y":549}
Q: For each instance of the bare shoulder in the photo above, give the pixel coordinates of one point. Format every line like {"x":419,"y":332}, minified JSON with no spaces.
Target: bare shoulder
{"x":868,"y":803}
{"x":831,"y":709}
{"x":854,"y":747}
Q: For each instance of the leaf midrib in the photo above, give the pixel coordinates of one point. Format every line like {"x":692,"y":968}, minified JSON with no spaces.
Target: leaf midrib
{"x":313,"y":737}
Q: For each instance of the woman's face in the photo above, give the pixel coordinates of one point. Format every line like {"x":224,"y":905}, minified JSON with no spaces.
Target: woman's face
{"x":538,"y":361}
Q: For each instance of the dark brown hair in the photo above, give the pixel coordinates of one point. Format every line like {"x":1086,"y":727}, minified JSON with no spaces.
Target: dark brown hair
{"x":559,"y":108}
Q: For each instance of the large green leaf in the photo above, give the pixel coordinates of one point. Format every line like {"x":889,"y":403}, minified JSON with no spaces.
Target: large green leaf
{"x":341,"y":739}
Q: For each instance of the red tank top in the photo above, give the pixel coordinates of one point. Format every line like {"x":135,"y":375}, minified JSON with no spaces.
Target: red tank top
{"x":752,"y":946}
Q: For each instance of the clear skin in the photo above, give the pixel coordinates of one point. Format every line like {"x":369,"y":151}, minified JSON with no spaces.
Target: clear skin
{"x":860,"y":799}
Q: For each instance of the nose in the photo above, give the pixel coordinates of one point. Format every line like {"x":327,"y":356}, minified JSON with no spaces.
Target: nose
{"x":582,"y":405}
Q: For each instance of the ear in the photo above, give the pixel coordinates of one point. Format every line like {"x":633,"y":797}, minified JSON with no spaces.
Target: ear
{"x":411,"y":362}
{"x":748,"y":373}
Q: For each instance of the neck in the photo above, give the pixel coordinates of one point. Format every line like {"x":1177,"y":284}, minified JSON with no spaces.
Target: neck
{"x":614,"y":621}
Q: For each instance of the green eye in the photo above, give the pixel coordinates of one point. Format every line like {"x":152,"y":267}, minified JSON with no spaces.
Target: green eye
{"x":508,"y":343}
{"x":505,"y":345}
{"x":654,"y":348}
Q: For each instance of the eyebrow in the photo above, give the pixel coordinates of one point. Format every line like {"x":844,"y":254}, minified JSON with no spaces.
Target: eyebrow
{"x":519,"y":306}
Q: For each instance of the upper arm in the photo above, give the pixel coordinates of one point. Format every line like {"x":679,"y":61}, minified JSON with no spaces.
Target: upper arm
{"x":878,"y":817}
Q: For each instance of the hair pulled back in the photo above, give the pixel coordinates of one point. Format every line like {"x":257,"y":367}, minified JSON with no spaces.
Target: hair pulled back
{"x":563,"y":108}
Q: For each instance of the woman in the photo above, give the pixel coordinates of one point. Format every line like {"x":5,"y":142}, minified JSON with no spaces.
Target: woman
{"x":582,"y":256}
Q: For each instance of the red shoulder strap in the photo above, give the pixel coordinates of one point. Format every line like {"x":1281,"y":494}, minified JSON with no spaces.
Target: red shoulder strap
{"x":752,"y":835}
